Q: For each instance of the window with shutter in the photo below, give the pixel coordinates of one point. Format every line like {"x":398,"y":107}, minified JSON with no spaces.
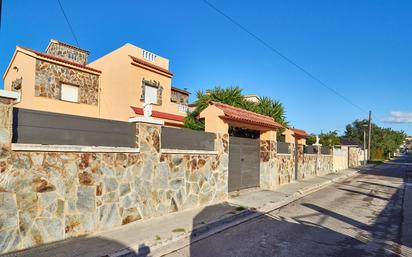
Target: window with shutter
{"x":69,"y":93}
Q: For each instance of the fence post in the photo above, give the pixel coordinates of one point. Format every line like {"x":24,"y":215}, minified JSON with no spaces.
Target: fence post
{"x":298,"y":157}
{"x":9,"y":233}
{"x":268,"y":149}
{"x":317,"y":150}
{"x":6,"y":130}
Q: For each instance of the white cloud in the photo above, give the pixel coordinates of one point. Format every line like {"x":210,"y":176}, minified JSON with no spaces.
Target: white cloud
{"x":398,"y":117}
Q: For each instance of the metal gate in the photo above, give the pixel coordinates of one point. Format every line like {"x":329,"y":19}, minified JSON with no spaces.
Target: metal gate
{"x":244,"y":163}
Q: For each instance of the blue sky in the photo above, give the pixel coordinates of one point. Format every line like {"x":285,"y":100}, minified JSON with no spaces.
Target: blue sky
{"x":363,"y":49}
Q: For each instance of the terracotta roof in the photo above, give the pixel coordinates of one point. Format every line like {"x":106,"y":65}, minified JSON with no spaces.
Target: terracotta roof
{"x":160,"y":115}
{"x":299,"y":132}
{"x":241,"y":115}
{"x":150,"y":65}
{"x":69,"y":46}
{"x":181,"y":90}
{"x":58,"y":59}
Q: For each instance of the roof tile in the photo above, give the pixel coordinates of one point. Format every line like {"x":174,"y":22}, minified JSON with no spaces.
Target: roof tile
{"x":150,"y":65}
{"x":238,"y":114}
{"x":299,"y":132}
{"x":55,"y":58}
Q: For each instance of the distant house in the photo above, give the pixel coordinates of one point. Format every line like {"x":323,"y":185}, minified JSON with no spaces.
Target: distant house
{"x":114,"y":86}
{"x":252,"y":98}
{"x":349,"y":142}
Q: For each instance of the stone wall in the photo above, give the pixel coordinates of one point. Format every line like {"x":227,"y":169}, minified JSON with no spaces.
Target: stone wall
{"x":355,"y":157}
{"x":179,"y":98}
{"x":49,"y":77}
{"x":268,"y":168}
{"x":325,"y":164}
{"x":307,"y":166}
{"x":51,"y":196}
{"x":277,"y":169}
{"x":285,"y":164}
{"x":68,"y":53}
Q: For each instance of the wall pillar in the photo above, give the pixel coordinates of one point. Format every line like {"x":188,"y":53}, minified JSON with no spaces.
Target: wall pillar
{"x":8,"y":203}
{"x":299,"y":161}
{"x":222,"y":158}
{"x":215,"y":124}
{"x":268,"y":150}
{"x":317,"y":149}
{"x":148,"y":137}
{"x":6,"y":120}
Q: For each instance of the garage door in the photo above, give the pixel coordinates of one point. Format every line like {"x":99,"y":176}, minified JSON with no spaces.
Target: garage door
{"x":243,"y":163}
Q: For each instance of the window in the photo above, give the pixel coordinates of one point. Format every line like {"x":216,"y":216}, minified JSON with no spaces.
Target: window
{"x":150,"y":95}
{"x":73,"y":56}
{"x":69,"y":93}
{"x":149,"y":56}
{"x":183,"y":108}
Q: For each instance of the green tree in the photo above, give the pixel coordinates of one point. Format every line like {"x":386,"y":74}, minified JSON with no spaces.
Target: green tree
{"x":330,"y":138}
{"x":384,"y":141}
{"x":233,"y":96}
{"x":311,"y":139}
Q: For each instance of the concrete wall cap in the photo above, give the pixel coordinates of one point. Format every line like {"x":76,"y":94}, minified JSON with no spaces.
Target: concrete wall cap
{"x":9,"y":94}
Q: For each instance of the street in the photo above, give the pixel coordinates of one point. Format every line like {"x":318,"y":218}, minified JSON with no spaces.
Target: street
{"x":361,"y":216}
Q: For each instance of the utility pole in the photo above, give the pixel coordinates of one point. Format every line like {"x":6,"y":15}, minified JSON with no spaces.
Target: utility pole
{"x":364,"y":144}
{"x":369,"y":135}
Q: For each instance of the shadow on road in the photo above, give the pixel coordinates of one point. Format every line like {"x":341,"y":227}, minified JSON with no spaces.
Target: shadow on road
{"x":82,"y":246}
{"x":363,"y":193}
{"x":280,"y":236}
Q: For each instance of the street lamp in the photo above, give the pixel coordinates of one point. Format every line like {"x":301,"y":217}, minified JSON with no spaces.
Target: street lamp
{"x":364,"y":143}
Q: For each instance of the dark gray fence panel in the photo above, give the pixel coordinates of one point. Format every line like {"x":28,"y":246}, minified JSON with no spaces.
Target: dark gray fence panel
{"x":309,"y":149}
{"x":326,"y":150}
{"x":48,"y":128}
{"x":283,"y":147}
{"x":186,"y":139}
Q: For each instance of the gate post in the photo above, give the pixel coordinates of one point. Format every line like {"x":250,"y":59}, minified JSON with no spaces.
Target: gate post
{"x":6,"y":123}
{"x":268,"y":150}
{"x":215,"y":124}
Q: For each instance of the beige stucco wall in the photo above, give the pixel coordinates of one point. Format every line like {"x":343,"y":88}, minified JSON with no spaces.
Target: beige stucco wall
{"x":213,"y":123}
{"x":121,"y":84}
{"x":289,"y":138}
{"x":302,"y":141}
{"x":26,"y":70}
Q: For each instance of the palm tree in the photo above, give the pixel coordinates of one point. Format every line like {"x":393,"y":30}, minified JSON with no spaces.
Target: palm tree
{"x":233,"y":96}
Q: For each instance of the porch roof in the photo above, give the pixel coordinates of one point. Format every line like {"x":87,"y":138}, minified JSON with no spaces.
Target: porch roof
{"x":241,"y":116}
{"x":299,"y":133}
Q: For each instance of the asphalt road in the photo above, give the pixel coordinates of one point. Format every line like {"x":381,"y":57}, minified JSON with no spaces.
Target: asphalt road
{"x":361,"y":216}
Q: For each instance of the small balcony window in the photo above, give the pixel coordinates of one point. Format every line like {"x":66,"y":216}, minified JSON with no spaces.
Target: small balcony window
{"x":69,"y":93}
{"x":182,"y":108}
{"x":73,"y":56}
{"x":149,"y":56}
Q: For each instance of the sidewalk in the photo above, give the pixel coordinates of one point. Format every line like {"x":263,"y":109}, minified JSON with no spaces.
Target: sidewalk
{"x":161,"y":235}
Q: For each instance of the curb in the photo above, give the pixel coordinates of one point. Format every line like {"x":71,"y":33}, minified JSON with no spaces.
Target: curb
{"x":217,"y":226}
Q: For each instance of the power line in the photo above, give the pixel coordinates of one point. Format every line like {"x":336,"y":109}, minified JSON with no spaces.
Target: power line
{"x":271,"y":48}
{"x":68,"y":23}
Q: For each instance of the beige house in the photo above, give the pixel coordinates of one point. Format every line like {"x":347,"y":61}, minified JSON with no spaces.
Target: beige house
{"x":113,"y":87}
{"x":252,"y":98}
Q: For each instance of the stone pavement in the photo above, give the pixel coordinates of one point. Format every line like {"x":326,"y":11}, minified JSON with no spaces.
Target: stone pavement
{"x":161,"y":235}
